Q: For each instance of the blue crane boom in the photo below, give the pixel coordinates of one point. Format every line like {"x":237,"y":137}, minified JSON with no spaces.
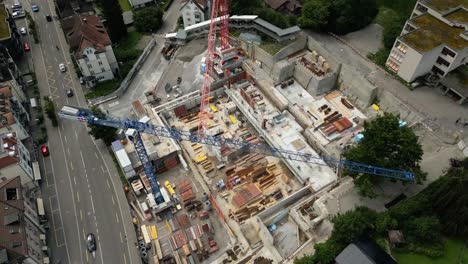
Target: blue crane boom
{"x":85,"y":115}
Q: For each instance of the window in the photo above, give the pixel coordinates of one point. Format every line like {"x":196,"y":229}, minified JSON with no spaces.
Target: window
{"x":421,"y":8}
{"x":438,"y":71}
{"x":100,"y":62}
{"x":393,"y":65}
{"x":409,"y":28}
{"x":443,"y":62}
{"x":188,"y":19}
{"x":102,"y":69}
{"x":448,"y":52}
{"x":398,"y":57}
{"x":89,"y":66}
{"x":401,"y":47}
{"x":92,"y":72}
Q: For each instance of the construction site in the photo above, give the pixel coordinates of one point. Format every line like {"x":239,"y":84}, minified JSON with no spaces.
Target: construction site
{"x":237,"y":164}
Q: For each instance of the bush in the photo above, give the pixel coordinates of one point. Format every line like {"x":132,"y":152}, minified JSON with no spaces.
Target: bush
{"x":50,"y":111}
{"x":148,"y":19}
{"x":42,"y":138}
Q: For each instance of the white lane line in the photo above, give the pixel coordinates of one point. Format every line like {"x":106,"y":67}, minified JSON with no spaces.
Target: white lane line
{"x":81,"y":214}
{"x":118,"y":201}
{"x":113,"y":202}
{"x":65,"y":137}
{"x":82,"y":159}
{"x":74,"y":179}
{"x":73,"y":198}
{"x":121,"y":238}
{"x":95,"y":154}
{"x":76,"y":135}
{"x":102,"y":168}
{"x":68,"y":151}
{"x":78,"y":196}
{"x":117,"y":218}
{"x":71,"y":166}
{"x":108,"y":185}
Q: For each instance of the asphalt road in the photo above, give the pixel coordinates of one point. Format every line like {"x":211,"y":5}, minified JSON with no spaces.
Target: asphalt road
{"x":150,"y":72}
{"x":81,"y":187}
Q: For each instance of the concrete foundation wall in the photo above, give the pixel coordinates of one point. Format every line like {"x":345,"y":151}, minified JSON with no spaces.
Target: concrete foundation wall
{"x":300,"y":43}
{"x":283,"y":70}
{"x":272,"y":211}
{"x":278,"y":100}
{"x":302,"y":75}
{"x":321,"y":86}
{"x":268,"y":61}
{"x":358,"y":89}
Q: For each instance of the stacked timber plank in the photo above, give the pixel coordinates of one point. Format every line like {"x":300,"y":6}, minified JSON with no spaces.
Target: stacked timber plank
{"x":185,"y":191}
{"x":178,"y":240}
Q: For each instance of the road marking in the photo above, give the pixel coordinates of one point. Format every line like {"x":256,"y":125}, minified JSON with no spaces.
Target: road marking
{"x":108,"y":185}
{"x":121,"y":238}
{"x":82,"y":159}
{"x":95,"y":154}
{"x":113,"y":202}
{"x":125,"y":258}
{"x":71,"y":166}
{"x":68,"y":151}
{"x":102,"y":168}
{"x":74,"y":179}
{"x":65,"y":137}
{"x":76,"y":135}
{"x":78,"y":196}
{"x":117,"y":217}
{"x":87,"y":257}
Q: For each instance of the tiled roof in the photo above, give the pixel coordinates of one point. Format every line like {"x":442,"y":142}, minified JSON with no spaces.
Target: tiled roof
{"x":85,"y":31}
{"x":202,"y":4}
{"x":291,"y":5}
{"x":14,"y":207}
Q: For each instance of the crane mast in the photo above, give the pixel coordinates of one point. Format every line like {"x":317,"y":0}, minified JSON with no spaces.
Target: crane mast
{"x":221,"y":8}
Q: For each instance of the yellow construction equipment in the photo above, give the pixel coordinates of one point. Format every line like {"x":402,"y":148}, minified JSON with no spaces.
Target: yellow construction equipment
{"x":233,"y":119}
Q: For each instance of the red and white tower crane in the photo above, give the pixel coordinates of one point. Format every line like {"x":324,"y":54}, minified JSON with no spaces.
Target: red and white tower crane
{"x":219,"y":14}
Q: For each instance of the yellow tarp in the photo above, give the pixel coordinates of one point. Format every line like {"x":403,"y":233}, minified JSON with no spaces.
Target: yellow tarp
{"x":153,"y":232}
{"x":233,"y":119}
{"x":213,"y":108}
{"x":200,"y":158}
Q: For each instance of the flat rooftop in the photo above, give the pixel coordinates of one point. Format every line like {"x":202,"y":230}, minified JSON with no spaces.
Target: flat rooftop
{"x":432,"y":33}
{"x":460,"y":16}
{"x":4,"y":27}
{"x":444,"y":5}
{"x":156,"y":147}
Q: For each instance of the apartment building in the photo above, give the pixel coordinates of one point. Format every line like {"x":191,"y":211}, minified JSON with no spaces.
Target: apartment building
{"x":91,"y":46}
{"x":22,"y":237}
{"x":13,"y":116}
{"x":15,"y":160}
{"x":195,"y":11}
{"x":9,"y":35}
{"x":434,"y":40}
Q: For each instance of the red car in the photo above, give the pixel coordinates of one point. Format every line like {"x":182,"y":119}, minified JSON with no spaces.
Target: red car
{"x":45,"y":151}
{"x":26,"y":47}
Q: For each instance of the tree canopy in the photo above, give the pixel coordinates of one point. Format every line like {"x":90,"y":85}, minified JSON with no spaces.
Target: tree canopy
{"x":386,"y":144}
{"x":339,"y":16}
{"x":107,"y":134}
{"x":115,"y":24}
{"x":149,"y":19}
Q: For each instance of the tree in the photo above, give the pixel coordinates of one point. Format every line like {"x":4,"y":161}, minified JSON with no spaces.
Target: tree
{"x":386,"y":144}
{"x":339,"y":16}
{"x":449,"y":200}
{"x":424,"y":229}
{"x":245,"y":7}
{"x":149,"y":19}
{"x":315,"y":14}
{"x":385,"y":222}
{"x":352,"y":225}
{"x":107,"y":134}
{"x":115,"y":24}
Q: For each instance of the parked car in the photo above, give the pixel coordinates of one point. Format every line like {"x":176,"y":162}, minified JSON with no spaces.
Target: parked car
{"x":26,"y":47}
{"x":168,"y":88}
{"x":34,"y":7}
{"x":82,"y":81}
{"x":70,"y":93}
{"x":18,"y":14}
{"x":62,"y":67}
{"x":23,"y":31}
{"x":48,"y":18}
{"x":45,"y":150}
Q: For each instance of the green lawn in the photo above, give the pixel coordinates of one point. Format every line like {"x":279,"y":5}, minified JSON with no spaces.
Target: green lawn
{"x":125,"y":5}
{"x":455,"y":253}
{"x":103,"y":88}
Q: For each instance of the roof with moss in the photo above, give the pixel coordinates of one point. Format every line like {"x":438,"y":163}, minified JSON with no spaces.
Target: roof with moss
{"x":4,"y":27}
{"x":444,"y":5}
{"x":459,"y":16}
{"x":431,"y":33}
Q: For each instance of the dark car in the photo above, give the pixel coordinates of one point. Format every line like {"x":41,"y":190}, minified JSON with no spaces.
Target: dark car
{"x":91,"y":243}
{"x":45,"y":151}
{"x":70,"y":93}
{"x":48,"y":18}
{"x":168,"y":88}
{"x":158,"y":99}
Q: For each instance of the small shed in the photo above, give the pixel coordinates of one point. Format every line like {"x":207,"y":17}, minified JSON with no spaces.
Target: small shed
{"x":395,"y":237}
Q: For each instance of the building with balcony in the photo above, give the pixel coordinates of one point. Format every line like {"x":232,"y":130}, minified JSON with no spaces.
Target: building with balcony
{"x":194,"y":11}
{"x":15,"y":160}
{"x":13,"y":116}
{"x":91,"y":46}
{"x":433,"y":41}
{"x":22,"y":237}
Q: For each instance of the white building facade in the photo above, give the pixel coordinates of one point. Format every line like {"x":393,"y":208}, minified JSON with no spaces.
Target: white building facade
{"x":102,"y":65}
{"x":194,"y":11}
{"x":434,"y":40}
{"x":15,"y":159}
